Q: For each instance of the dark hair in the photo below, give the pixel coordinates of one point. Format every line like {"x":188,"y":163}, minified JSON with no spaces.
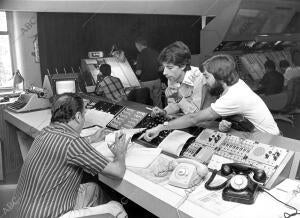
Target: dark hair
{"x":223,"y":68}
{"x":269,"y":64}
{"x":105,"y":69}
{"x":176,"y":53}
{"x":65,"y":107}
{"x":141,"y":41}
{"x":296,"y":57}
{"x":284,"y":64}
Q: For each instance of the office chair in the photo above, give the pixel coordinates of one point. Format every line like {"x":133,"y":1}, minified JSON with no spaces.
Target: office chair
{"x":140,"y":95}
{"x":286,"y":104}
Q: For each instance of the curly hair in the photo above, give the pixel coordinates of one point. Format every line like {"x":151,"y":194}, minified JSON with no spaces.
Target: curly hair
{"x":65,"y":107}
{"x":223,"y":68}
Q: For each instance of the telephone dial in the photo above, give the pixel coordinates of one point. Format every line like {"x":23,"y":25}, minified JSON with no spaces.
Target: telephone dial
{"x":242,"y":185}
{"x":187,"y":173}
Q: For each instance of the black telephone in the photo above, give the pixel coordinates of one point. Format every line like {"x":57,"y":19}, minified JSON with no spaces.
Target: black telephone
{"x":242,"y":185}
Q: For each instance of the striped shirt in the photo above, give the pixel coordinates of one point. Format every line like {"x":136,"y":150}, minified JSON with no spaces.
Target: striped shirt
{"x":52,"y":172}
{"x":112,"y":88}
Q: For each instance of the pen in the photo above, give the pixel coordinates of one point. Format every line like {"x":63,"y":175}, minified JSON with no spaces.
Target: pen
{"x":279,"y":189}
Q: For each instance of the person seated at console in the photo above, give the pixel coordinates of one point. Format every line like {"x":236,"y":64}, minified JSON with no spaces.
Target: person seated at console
{"x":272,"y":81}
{"x":236,"y":98}
{"x":110,"y":87}
{"x":49,"y":183}
{"x":186,"y":91}
{"x":293,"y":71}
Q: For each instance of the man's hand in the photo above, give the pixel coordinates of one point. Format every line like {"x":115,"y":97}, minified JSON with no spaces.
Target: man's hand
{"x":171,"y":92}
{"x":98,"y":136}
{"x":152,"y":133}
{"x":156,"y":112}
{"x":224,"y":126}
{"x":120,"y":146}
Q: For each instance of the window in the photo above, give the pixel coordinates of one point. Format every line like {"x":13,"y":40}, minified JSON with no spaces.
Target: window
{"x":5,"y":55}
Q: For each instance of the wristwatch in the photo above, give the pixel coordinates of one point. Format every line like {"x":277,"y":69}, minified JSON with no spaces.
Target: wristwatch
{"x":165,"y":125}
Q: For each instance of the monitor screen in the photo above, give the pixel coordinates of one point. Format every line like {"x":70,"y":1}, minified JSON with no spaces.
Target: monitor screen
{"x":65,"y":86}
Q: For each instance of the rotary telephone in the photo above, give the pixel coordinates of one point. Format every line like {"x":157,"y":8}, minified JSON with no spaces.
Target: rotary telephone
{"x":242,"y":185}
{"x":187,"y":173}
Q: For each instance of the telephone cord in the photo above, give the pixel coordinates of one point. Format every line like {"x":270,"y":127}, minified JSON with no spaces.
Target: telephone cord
{"x":285,"y":214}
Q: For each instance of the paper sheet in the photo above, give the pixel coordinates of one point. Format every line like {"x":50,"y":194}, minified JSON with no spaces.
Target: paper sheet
{"x":174,"y":142}
{"x":139,"y":157}
{"x":288,"y":191}
{"x":110,"y":138}
{"x":89,"y":131}
{"x":212,"y":200}
{"x":95,"y":117}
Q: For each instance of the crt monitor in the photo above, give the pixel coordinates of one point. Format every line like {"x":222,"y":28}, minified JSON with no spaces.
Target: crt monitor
{"x":65,"y":83}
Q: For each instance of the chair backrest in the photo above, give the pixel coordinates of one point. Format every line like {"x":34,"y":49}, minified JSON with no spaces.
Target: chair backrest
{"x":293,"y":90}
{"x":140,"y":95}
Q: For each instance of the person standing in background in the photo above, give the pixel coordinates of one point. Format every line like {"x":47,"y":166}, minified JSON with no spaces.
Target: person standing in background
{"x":147,"y":69}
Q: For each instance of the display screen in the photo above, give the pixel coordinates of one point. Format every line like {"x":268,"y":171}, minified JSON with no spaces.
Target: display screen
{"x":65,"y":86}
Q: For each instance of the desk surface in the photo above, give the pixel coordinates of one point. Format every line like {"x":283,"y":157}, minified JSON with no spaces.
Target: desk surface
{"x":162,"y":199}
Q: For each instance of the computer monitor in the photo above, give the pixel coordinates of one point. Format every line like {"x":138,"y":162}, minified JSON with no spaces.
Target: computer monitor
{"x":65,"y":83}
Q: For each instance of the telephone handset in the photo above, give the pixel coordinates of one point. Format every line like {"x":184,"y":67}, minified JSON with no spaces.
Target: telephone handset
{"x":242,"y":183}
{"x":187,"y":173}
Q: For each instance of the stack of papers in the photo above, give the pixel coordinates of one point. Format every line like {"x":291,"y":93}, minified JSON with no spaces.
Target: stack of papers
{"x":137,"y":156}
{"x":95,"y":117}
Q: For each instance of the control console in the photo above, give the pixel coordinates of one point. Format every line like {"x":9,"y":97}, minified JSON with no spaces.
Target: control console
{"x":128,"y":118}
{"x":108,"y":107}
{"x":273,"y":160}
{"x":149,"y":122}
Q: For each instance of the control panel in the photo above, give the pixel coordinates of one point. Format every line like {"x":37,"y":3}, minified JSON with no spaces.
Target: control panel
{"x":273,"y":160}
{"x":108,"y":107}
{"x":149,"y":122}
{"x":128,"y":118}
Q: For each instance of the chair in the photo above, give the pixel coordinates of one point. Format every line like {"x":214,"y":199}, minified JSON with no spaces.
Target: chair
{"x":140,"y":95}
{"x":287,"y":103}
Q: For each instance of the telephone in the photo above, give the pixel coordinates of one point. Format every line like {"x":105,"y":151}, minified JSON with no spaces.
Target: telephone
{"x":187,"y":173}
{"x":242,"y":185}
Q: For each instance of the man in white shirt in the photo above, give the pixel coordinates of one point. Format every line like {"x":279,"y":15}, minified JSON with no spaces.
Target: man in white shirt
{"x":236,"y":98}
{"x":186,"y":91}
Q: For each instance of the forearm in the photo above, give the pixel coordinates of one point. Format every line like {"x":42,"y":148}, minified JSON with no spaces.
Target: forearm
{"x":116,"y":169}
{"x":172,"y":108}
{"x":192,"y":119}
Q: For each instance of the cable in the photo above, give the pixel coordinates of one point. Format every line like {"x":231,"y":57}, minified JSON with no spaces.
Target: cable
{"x":285,"y":214}
{"x":188,"y":191}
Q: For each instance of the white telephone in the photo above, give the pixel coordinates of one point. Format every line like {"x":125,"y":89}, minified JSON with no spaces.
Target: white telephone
{"x":187,"y":173}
